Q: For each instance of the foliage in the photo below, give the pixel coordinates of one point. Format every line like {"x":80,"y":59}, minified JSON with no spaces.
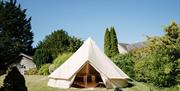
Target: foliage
{"x":59,"y":42}
{"x":61,"y":59}
{"x":163,"y":68}
{"x":32,"y":71}
{"x":107,"y":41}
{"x":110,"y":42}
{"x":114,"y":42}
{"x":157,"y":63}
{"x":141,"y":72}
{"x":166,"y":55}
{"x":75,"y":43}
{"x":14,"y":81}
{"x":41,"y":57}
{"x":44,"y":70}
{"x":160,"y":64}
{"x":15,"y":32}
{"x":178,"y":71}
{"x":157,"y":68}
{"x":125,"y":62}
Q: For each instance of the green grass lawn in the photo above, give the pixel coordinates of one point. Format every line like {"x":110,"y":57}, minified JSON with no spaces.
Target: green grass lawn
{"x":39,"y":83}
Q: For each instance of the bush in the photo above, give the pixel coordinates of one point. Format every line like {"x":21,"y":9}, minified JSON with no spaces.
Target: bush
{"x":141,"y":71}
{"x":48,"y":68}
{"x":162,"y":74}
{"x":14,"y":81}
{"x":125,"y":62}
{"x":157,"y":68}
{"x":32,"y":71}
{"x":51,"y":68}
{"x":61,"y":59}
{"x":44,"y":70}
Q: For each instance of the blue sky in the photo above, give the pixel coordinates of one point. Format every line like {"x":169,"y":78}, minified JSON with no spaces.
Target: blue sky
{"x":132,"y":19}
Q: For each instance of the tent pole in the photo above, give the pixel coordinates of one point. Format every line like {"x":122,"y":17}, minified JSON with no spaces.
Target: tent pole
{"x":86,"y":75}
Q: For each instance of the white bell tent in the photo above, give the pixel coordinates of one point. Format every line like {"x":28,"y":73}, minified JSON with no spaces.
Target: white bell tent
{"x":88,"y":67}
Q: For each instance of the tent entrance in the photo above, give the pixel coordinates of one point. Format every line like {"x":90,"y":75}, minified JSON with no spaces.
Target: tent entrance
{"x":88,"y":77}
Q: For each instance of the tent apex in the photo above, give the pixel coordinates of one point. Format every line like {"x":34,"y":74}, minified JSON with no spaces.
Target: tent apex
{"x":90,"y":38}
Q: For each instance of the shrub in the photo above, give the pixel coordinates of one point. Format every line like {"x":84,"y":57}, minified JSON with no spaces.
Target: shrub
{"x":32,"y":71}
{"x":162,"y":72}
{"x":125,"y":62}
{"x":141,"y":70}
{"x":51,"y":68}
{"x":44,"y":70}
{"x":61,"y":59}
{"x":14,"y":81}
{"x":157,"y":68}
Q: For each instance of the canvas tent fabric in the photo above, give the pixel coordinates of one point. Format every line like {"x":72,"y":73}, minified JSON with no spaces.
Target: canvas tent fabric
{"x":89,"y":52}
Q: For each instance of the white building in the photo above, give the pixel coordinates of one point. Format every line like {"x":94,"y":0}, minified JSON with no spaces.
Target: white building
{"x":23,"y":62}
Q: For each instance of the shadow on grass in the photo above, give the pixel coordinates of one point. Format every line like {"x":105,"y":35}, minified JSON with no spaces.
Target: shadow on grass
{"x":130,"y":83}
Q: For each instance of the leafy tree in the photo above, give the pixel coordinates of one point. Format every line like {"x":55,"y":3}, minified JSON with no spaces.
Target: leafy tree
{"x":172,"y":35}
{"x":125,"y":62}
{"x":172,"y":32}
{"x":14,"y":81}
{"x":178,"y":71}
{"x":59,"y":42}
{"x":42,"y":56}
{"x":157,"y":68}
{"x":114,"y":42}
{"x":15,"y":32}
{"x":161,"y":66}
{"x":56,"y":43}
{"x":107,"y":43}
{"x":75,"y":43}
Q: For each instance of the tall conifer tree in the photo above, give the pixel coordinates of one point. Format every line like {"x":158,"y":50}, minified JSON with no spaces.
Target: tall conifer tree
{"x":107,"y":43}
{"x":114,"y":42}
{"x":15,"y":32}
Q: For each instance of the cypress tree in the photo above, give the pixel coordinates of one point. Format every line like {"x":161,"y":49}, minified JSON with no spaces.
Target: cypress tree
{"x":114,"y":42}
{"x":107,"y":43}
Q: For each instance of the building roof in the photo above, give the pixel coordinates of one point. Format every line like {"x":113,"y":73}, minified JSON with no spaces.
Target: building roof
{"x":24,"y":55}
{"x":19,"y":57}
